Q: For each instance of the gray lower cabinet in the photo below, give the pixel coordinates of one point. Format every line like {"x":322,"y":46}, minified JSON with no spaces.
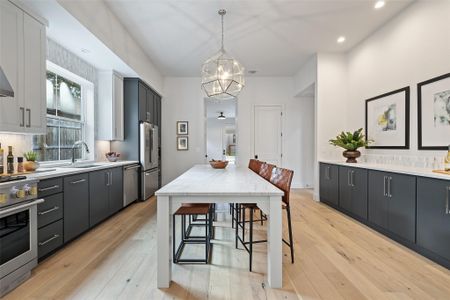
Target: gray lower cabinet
{"x":98,"y":196}
{"x":392,"y":203}
{"x":50,"y":210}
{"x":433,"y":216}
{"x":329,"y":184}
{"x":76,"y":205}
{"x":116,"y":190}
{"x":50,"y":238}
{"x":105,"y":194}
{"x":353,"y":191}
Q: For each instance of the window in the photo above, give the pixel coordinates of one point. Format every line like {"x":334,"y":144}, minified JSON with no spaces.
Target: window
{"x":66,"y":97}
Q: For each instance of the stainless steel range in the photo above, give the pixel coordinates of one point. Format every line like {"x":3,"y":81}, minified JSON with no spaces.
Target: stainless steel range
{"x":18,"y":231}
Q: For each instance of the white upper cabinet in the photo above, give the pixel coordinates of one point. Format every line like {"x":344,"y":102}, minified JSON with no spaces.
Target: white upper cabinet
{"x":110,"y":106}
{"x":22,"y":58}
{"x":35,"y":75}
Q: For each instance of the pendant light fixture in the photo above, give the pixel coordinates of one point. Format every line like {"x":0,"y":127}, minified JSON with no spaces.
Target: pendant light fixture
{"x":221,"y":116}
{"x":222,"y":75}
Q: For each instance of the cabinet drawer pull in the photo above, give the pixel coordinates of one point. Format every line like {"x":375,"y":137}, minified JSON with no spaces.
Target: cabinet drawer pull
{"x":49,"y":240}
{"x":352,"y":177}
{"x":389,"y":187}
{"x":384,"y":186}
{"x":29,"y":117}
{"x":54,"y":187}
{"x":78,"y":181}
{"x":447,"y":209}
{"x":22,"y":124}
{"x":41,"y":213}
{"x":348,"y":178}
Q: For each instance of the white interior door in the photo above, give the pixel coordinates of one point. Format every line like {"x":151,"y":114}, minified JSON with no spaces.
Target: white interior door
{"x":268,"y":133}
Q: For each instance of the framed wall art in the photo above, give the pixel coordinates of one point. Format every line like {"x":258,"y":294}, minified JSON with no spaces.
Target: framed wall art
{"x":433,"y":119}
{"x":387,"y":120}
{"x":182,"y":143}
{"x":182,"y":127}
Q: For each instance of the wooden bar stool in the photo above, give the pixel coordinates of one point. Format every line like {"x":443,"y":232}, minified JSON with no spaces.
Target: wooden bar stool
{"x":190,"y":210}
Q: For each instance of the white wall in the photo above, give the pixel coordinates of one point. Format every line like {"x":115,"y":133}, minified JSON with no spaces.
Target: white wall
{"x":215,"y":140}
{"x":306,"y":142}
{"x":184,"y":100}
{"x":96,"y":16}
{"x":413,"y":47}
{"x":306,"y":76}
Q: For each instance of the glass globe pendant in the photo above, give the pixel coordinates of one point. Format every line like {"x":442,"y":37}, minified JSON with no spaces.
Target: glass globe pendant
{"x":222,"y":75}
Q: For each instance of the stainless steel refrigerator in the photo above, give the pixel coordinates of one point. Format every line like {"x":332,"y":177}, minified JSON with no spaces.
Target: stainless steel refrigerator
{"x":148,"y":154}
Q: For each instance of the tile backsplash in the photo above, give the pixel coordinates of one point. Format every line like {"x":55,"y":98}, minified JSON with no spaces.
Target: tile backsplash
{"x":21,"y":143}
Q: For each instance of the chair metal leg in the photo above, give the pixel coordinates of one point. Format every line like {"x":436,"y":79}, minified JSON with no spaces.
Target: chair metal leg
{"x":243,"y":223}
{"x":291,"y":241}
{"x":237,"y":224}
{"x":261,"y":217}
{"x":173,"y":239}
{"x":251,"y":238}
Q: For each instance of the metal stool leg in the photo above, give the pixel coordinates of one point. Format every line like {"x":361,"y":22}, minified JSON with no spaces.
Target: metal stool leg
{"x":291,"y":244}
{"x":251,"y":238}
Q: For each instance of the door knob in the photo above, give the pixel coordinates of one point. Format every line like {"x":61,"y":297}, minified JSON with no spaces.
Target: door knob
{"x":256,"y":156}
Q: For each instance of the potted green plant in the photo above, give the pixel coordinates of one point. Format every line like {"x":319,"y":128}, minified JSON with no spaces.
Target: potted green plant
{"x":31,"y":164}
{"x":351,"y":142}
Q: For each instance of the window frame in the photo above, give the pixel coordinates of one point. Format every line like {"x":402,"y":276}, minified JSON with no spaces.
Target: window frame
{"x":86,"y":87}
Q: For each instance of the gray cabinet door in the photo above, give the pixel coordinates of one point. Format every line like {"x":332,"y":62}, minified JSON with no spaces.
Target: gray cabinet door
{"x":142,"y":94}
{"x":76,"y":205}
{"x":358,"y":178}
{"x":377,"y":199}
{"x":98,"y":196}
{"x":402,"y":205}
{"x":345,"y":189}
{"x":329,"y":184}
{"x":433,"y":218}
{"x":353,"y":190}
{"x":116,"y":190}
{"x":150,"y":106}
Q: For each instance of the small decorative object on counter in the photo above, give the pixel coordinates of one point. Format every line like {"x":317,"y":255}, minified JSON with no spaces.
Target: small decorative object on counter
{"x":218,"y":164}
{"x":20,"y":168}
{"x":10,"y":161}
{"x":112,"y":156}
{"x":351,"y":142}
{"x":31,"y":164}
{"x":447,"y":160}
{"x":2,"y":164}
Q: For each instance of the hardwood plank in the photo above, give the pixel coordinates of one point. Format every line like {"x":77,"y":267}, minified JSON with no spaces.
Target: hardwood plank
{"x":336,"y":258}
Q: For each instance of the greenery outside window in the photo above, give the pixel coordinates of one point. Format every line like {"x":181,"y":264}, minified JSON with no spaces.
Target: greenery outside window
{"x":66,"y":118}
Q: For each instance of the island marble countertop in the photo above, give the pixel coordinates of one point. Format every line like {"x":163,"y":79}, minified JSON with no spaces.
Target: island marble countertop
{"x":423,"y":172}
{"x":57,"y":171}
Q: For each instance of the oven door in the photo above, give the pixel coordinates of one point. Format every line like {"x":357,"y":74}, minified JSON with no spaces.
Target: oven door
{"x":18,"y":236}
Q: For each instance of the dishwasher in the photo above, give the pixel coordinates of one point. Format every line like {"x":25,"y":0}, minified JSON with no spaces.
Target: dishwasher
{"x":130,"y":184}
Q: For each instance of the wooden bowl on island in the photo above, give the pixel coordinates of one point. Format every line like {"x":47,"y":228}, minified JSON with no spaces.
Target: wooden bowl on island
{"x":218,"y":164}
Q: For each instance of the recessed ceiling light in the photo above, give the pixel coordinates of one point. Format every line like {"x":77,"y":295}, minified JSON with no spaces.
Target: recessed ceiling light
{"x":341,"y":39}
{"x":84,"y":50}
{"x":379,"y":4}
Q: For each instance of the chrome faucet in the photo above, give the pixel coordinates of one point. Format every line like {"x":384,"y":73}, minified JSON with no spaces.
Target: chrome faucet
{"x":75,"y":145}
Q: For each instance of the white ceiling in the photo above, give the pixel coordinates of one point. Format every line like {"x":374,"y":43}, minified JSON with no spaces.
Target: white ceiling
{"x":71,"y":34}
{"x":274,"y":37}
{"x":214,"y":107}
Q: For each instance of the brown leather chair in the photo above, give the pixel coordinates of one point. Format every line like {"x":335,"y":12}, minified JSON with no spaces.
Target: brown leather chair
{"x":266,"y":171}
{"x":281,"y":178}
{"x":255,"y":165}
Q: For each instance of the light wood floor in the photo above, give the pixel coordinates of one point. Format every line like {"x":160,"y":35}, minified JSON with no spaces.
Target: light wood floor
{"x":337,"y":258}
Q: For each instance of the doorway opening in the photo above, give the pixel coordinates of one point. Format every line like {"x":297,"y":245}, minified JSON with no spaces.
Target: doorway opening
{"x":221,"y":130}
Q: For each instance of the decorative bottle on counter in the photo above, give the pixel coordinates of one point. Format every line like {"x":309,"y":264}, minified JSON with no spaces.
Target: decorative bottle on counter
{"x":2,"y":164}
{"x":10,"y":161}
{"x":447,"y":160}
{"x":20,"y":165}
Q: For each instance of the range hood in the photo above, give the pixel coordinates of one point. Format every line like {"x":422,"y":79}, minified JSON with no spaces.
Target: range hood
{"x":5,"y":88}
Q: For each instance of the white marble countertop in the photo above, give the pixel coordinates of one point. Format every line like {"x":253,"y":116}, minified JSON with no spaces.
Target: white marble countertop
{"x":203,"y":180}
{"x":58,"y":171}
{"x":424,"y":172}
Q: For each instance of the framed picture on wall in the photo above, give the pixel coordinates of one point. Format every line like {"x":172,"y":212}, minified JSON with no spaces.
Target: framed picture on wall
{"x":433,"y":107}
{"x":387,"y":120}
{"x":182,"y":143}
{"x":182,"y":127}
